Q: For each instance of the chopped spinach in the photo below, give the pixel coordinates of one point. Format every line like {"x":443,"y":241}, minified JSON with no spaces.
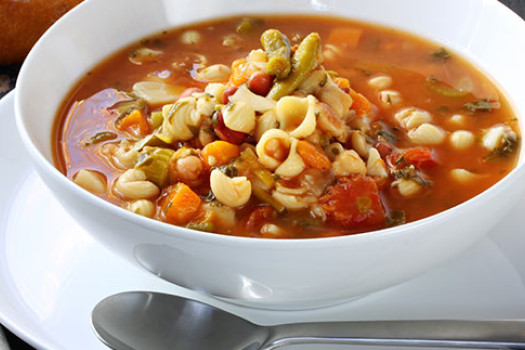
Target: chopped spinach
{"x":441,"y":54}
{"x":482,"y":105}
{"x":396,"y":217}
{"x":100,"y":137}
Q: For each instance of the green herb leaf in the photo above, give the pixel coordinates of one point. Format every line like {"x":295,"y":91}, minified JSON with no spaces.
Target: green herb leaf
{"x":396,"y":218}
{"x":441,"y":54}
{"x":101,"y":137}
{"x":482,"y":105}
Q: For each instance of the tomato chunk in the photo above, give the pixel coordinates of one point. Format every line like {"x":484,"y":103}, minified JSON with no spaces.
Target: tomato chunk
{"x":354,"y":203}
{"x":420,"y":157}
{"x":257,"y":218}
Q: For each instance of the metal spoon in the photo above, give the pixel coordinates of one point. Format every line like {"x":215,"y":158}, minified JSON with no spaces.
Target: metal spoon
{"x":147,"y":320}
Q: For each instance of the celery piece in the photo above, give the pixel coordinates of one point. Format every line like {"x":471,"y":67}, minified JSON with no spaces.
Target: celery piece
{"x":155,"y":162}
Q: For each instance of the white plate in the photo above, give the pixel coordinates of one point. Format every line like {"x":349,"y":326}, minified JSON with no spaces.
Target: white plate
{"x":52,"y":273}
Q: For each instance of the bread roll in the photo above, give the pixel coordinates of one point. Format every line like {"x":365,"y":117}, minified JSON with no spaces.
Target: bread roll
{"x":22,"y":22}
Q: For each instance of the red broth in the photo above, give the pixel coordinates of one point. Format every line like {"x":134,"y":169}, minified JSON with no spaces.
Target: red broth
{"x":425,"y":130}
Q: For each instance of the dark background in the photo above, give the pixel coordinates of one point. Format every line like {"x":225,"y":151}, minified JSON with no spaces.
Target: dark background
{"x":7,"y":82}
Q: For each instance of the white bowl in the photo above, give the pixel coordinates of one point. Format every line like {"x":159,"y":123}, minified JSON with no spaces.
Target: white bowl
{"x":279,"y":274}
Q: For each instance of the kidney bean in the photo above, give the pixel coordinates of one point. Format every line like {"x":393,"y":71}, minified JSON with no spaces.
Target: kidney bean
{"x":384,"y":149}
{"x":227,"y":134}
{"x":260,"y":83}
{"x":189,"y":91}
{"x":227,"y":93}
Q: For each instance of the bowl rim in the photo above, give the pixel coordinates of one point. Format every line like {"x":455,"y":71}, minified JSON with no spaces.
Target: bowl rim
{"x":164,"y":228}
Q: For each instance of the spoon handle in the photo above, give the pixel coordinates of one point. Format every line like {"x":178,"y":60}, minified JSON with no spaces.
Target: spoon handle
{"x":438,"y":333}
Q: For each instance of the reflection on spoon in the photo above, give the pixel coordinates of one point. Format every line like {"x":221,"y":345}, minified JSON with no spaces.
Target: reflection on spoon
{"x":148,"y":320}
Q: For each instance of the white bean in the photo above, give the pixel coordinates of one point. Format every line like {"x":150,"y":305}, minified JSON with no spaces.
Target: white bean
{"x":390,"y":97}
{"x":462,"y":139}
{"x":143,"y":207}
{"x":408,"y":187}
{"x":426,"y":134}
{"x":190,"y":37}
{"x":462,"y":175}
{"x":380,"y":82}
{"x":91,"y":180}
{"x":132,"y":184}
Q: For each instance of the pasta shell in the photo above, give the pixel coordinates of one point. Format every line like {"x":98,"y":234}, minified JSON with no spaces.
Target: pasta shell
{"x":214,"y":74}
{"x":232,"y":192}
{"x":258,"y":103}
{"x":264,"y":123}
{"x":178,"y":117}
{"x":410,"y":118}
{"x":239,"y":117}
{"x":375,"y":166}
{"x":296,"y":115}
{"x":293,"y":165}
{"x":289,"y":201}
{"x":157,"y":92}
{"x":273,"y":148}
{"x":348,"y":163}
{"x":336,"y":98}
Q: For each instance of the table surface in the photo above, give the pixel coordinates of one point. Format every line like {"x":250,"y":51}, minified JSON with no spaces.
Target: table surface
{"x":8,"y":75}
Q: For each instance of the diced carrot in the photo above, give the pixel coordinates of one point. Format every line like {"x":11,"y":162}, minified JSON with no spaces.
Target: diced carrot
{"x":135,"y":123}
{"x":354,"y":203}
{"x":219,"y":153}
{"x":181,"y":204}
{"x":343,"y":83}
{"x":345,"y":37}
{"x":360,"y":104}
{"x":239,"y":75}
{"x":312,"y":156}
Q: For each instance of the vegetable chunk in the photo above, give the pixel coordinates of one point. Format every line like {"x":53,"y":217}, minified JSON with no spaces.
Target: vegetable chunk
{"x":354,"y":203}
{"x":181,"y":204}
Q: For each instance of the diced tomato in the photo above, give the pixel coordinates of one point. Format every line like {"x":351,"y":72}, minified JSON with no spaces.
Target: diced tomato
{"x":257,"y":218}
{"x":354,"y":203}
{"x":420,"y":157}
{"x":227,"y":134}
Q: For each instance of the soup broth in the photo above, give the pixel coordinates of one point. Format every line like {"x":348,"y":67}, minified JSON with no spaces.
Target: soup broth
{"x":286,"y":127}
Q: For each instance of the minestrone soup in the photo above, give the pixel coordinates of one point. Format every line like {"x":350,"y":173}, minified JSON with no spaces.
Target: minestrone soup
{"x":285,"y":127}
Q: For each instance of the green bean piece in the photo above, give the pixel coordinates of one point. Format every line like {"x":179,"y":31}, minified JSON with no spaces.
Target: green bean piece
{"x":101,"y":137}
{"x":443,"y":89}
{"x":303,"y":61}
{"x":153,"y":140}
{"x":278,"y":49}
{"x":155,"y":162}
{"x":266,"y":197}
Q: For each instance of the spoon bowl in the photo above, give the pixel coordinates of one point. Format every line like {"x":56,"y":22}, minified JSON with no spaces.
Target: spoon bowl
{"x":150,"y":320}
